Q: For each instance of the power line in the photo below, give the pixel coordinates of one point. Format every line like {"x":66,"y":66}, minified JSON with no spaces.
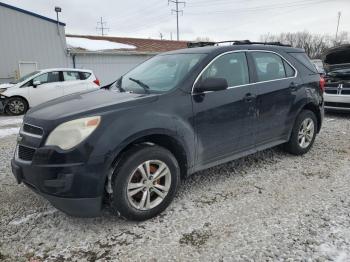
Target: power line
{"x":102,"y":27}
{"x":177,"y":11}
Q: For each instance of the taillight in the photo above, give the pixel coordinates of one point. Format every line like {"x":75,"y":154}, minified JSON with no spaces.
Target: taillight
{"x":97,"y":82}
{"x":322,"y":84}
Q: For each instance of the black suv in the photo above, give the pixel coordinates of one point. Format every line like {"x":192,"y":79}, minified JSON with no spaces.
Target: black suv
{"x":128,"y":145}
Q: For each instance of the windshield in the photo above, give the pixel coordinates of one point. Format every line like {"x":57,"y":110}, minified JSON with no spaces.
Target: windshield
{"x":24,"y":77}
{"x":158,"y":74}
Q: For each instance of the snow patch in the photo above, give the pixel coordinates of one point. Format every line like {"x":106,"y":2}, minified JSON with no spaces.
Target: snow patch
{"x":11,"y":121}
{"x":25,"y":219}
{"x":8,"y":131}
{"x":95,"y":45}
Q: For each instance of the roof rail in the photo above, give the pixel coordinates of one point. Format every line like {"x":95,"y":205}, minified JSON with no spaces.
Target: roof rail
{"x":234,"y":42}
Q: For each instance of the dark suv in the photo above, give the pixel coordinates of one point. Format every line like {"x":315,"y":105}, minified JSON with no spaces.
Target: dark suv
{"x":128,"y":145}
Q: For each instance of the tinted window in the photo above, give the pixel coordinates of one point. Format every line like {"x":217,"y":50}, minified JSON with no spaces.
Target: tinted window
{"x":290,"y":72}
{"x":71,"y":76}
{"x":84,"y":75}
{"x":304,"y":60}
{"x":48,"y":77}
{"x":269,"y":66}
{"x":233,"y":67}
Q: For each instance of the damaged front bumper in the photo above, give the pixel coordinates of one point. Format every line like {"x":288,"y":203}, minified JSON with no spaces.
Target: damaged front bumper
{"x":3,"y":103}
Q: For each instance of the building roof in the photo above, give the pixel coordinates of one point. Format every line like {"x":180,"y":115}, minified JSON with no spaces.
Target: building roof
{"x":140,"y":45}
{"x":31,"y":13}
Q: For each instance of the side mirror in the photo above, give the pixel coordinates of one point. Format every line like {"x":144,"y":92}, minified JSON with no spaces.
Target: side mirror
{"x":211,"y":84}
{"x":36,"y":83}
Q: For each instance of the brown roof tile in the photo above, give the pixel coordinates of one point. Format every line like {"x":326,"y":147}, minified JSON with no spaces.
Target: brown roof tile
{"x":142,"y":45}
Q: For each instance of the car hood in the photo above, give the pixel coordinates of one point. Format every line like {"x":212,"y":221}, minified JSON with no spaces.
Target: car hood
{"x":87,"y":103}
{"x":6,"y":85}
{"x":337,"y":58}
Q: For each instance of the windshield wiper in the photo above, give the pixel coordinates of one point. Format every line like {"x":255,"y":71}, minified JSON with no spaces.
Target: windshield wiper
{"x":119,"y":85}
{"x":140,"y":83}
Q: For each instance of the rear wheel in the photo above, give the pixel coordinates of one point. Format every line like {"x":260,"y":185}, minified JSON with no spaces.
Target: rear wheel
{"x":303,"y":133}
{"x":145,"y":183}
{"x":16,"y":106}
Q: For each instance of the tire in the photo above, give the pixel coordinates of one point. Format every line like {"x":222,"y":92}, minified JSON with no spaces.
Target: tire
{"x":295,"y":144}
{"x":128,"y":175}
{"x":16,"y":106}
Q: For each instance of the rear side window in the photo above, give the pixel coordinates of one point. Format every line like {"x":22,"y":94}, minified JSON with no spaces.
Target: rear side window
{"x":233,"y":67}
{"x":84,"y":75}
{"x":304,"y":60}
{"x":71,"y":75}
{"x":290,"y":72}
{"x":269,"y":66}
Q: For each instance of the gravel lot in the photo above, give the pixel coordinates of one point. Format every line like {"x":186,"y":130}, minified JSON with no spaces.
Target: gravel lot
{"x":269,"y":206}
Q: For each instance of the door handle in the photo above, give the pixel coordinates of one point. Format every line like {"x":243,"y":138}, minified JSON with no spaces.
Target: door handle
{"x":249,"y":97}
{"x":293,"y":86}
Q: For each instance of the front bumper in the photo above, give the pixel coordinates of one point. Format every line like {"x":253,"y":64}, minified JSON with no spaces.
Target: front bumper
{"x":337,"y":102}
{"x":3,"y":101}
{"x":71,"y":188}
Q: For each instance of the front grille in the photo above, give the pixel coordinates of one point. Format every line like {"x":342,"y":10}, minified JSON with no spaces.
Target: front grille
{"x":32,"y":130}
{"x":25,"y":153}
{"x":335,"y":104}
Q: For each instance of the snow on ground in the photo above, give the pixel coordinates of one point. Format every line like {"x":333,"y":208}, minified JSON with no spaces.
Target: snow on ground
{"x":9,"y":125}
{"x":8,"y":131}
{"x":95,"y":45}
{"x":5,"y":121}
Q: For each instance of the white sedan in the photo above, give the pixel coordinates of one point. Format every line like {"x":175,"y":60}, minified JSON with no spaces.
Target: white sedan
{"x":44,"y":85}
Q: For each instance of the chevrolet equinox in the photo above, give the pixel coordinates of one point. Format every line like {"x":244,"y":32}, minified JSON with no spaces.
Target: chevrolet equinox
{"x":128,"y":145}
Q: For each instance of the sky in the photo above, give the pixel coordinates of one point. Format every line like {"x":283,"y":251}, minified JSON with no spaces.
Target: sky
{"x":217,"y":20}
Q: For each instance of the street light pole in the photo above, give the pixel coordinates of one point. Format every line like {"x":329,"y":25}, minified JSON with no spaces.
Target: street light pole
{"x":58,"y":10}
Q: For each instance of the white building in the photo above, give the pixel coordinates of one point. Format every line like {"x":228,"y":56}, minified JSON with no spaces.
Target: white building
{"x":29,"y":41}
{"x":111,"y":57}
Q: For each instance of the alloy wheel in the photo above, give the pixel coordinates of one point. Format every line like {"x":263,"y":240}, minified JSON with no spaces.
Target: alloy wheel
{"x":16,"y":106}
{"x":149,"y":184}
{"x":306,"y":133}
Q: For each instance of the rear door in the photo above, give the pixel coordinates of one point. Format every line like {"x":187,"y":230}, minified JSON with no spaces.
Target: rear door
{"x":72,"y":82}
{"x":224,"y":119}
{"x":50,"y":87}
{"x":275,"y":90}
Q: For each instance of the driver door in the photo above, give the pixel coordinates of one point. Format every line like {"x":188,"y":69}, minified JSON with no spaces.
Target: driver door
{"x":224,"y":119}
{"x":49,"y":87}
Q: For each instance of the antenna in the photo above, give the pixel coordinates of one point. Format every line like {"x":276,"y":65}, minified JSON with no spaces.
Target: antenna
{"x":101,"y":26}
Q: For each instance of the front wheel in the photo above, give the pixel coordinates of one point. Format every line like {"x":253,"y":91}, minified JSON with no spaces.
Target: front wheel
{"x":145,"y":182}
{"x":303,"y":133}
{"x":16,"y":106}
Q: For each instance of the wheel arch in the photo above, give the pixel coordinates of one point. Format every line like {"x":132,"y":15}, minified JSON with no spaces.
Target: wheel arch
{"x":18,"y":96}
{"x":316,"y":110}
{"x":163,"y":138}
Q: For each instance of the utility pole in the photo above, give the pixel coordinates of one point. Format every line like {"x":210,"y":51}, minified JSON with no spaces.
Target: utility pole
{"x":336,"y":34}
{"x":102,"y":27}
{"x":177,"y":11}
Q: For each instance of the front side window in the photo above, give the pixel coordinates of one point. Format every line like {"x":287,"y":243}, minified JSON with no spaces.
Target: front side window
{"x":158,"y":74}
{"x":233,"y":67}
{"x":71,"y":76}
{"x":49,"y":77}
{"x":269,"y":66}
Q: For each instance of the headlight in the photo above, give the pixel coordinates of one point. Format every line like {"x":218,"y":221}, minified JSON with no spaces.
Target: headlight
{"x":71,"y":133}
{"x":2,"y":90}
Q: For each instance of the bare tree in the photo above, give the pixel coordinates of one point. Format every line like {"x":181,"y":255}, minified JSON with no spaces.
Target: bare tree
{"x":313,"y":44}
